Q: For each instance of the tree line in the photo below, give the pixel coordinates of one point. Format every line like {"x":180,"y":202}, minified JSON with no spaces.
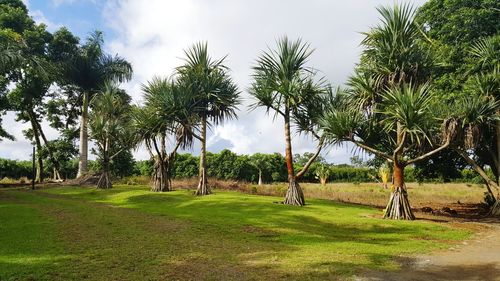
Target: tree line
{"x":416,"y":94}
{"x":258,"y":168}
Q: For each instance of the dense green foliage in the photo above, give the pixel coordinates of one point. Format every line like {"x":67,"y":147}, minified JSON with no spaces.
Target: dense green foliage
{"x":465,"y":36}
{"x":15,"y":169}
{"x":227,"y":165}
{"x":453,"y":27}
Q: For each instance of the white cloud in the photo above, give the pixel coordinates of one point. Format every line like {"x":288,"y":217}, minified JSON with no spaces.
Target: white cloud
{"x":39,"y":17}
{"x":153,"y":35}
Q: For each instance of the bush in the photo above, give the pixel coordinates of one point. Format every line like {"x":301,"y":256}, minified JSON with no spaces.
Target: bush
{"x":15,"y":169}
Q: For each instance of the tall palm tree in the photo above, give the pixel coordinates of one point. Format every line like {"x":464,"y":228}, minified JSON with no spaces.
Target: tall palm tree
{"x":214,"y":98}
{"x":166,"y":114}
{"x":389,"y":109}
{"x":89,"y":70}
{"x":284,"y":84}
{"x":109,"y":125}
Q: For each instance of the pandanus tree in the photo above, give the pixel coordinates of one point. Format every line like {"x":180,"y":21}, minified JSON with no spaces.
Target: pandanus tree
{"x":476,"y":117}
{"x":401,"y":129}
{"x":214,"y":98}
{"x":89,"y":70}
{"x":285,"y":85}
{"x":472,"y":125}
{"x":389,"y":109}
{"x":110,"y":128}
{"x":165,"y":116}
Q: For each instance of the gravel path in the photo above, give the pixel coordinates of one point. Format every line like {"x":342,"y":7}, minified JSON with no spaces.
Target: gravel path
{"x":475,"y":259}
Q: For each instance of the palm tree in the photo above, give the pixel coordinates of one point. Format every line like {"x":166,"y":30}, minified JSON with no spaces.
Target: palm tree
{"x":471,"y":125}
{"x":476,"y":117}
{"x":284,"y":84}
{"x":109,"y":125}
{"x":390,"y":110}
{"x":397,"y":51}
{"x":402,"y":129}
{"x":166,"y":113}
{"x":89,"y":70}
{"x":214,"y":98}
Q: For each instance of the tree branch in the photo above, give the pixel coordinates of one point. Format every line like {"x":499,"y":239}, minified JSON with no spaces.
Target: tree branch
{"x":311,"y":160}
{"x":479,"y":170}
{"x":429,"y":154}
{"x":148,"y":146}
{"x":194,"y":135}
{"x":373,"y":150}
{"x":178,"y":143}
{"x":116,"y":154}
{"x":399,"y":148}
{"x":157,"y":150}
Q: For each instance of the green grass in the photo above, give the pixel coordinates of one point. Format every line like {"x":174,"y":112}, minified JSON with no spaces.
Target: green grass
{"x":129,"y":233}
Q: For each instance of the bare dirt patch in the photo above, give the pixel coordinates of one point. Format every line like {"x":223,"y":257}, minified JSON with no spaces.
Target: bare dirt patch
{"x":475,"y":259}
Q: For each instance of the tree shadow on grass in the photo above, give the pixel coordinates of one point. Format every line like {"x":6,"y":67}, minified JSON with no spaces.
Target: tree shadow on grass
{"x":301,"y":221}
{"x":185,"y":237}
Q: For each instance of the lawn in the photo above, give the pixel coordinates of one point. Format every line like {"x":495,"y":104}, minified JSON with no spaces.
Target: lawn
{"x":129,"y":233}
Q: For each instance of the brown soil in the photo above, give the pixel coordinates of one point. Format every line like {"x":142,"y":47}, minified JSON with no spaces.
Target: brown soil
{"x":475,"y":259}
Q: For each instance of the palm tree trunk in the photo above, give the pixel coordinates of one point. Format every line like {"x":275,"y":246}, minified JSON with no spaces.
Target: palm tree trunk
{"x":84,"y":138}
{"x":203,"y":188}
{"x":161,"y":176}
{"x":36,"y":136}
{"x":495,"y":210}
{"x":294,"y":194}
{"x":49,"y":150}
{"x":105,"y":179}
{"x":398,"y":207}
{"x":497,"y":130}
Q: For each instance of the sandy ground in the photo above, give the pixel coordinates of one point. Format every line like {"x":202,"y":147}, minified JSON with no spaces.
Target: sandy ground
{"x":475,"y":259}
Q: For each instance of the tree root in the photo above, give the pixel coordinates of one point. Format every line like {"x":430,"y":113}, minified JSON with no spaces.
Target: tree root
{"x":294,"y":195}
{"x":104,"y":181}
{"x":495,"y":209}
{"x":203,"y":188}
{"x":161,"y":181}
{"x":398,"y":207}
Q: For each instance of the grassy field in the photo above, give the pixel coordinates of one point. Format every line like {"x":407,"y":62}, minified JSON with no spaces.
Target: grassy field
{"x":129,"y":233}
{"x":372,"y":194}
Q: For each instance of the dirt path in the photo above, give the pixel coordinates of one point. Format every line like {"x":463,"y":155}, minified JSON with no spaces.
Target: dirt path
{"x":475,"y":259}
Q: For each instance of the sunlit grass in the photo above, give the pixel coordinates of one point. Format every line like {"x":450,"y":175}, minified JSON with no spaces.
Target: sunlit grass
{"x":129,"y":232}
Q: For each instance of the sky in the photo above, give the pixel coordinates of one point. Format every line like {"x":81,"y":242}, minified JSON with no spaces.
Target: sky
{"x":153,"y":34}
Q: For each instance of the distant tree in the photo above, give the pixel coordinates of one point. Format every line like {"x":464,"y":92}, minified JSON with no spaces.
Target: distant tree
{"x":284,"y":84}
{"x":323,"y":173}
{"x":230,"y":166}
{"x":357,"y":161}
{"x":63,"y":151}
{"x":110,"y":128}
{"x":258,"y":162}
{"x":302,"y":160}
{"x":214,"y":95}
{"x":186,"y":166}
